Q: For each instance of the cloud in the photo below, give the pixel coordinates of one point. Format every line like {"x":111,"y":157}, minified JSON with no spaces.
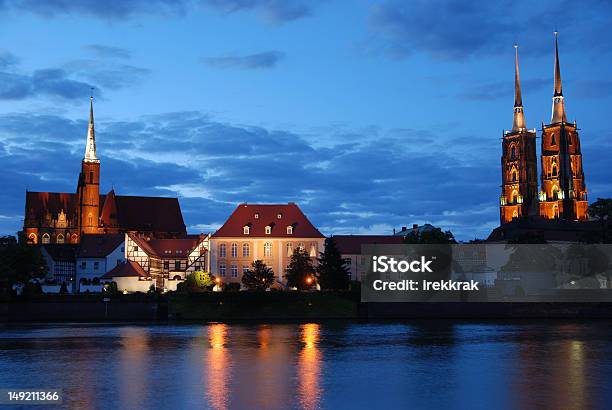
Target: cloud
{"x":107,"y":75}
{"x":458,"y":30}
{"x":266,"y":59}
{"x":108,"y":51}
{"x":274,"y":11}
{"x":502,"y":89}
{"x":371,"y":185}
{"x":7,"y":59}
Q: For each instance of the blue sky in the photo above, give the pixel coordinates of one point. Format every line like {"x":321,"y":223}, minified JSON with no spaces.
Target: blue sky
{"x":369,"y":114}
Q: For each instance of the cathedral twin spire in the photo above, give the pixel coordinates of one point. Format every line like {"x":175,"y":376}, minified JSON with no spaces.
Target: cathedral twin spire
{"x":558,"y":107}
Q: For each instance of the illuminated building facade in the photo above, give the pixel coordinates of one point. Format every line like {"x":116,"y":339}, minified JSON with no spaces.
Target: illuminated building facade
{"x":563,"y":193}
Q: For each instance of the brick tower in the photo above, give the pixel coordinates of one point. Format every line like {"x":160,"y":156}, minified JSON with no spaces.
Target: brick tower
{"x":563,"y":193}
{"x":89,"y":183}
{"x":519,"y":162}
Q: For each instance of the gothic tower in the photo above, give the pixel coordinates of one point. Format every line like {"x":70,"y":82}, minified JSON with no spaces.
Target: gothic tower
{"x":89,"y":182}
{"x":563,"y":192}
{"x":519,"y":162}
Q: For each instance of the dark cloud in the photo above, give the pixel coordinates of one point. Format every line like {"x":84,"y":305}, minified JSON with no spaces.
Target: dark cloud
{"x":50,"y":82}
{"x":7,"y":59}
{"x":457,"y":30}
{"x":267,"y":59}
{"x":108,"y":51}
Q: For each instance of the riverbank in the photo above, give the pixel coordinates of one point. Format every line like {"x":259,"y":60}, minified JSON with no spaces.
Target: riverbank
{"x":274,"y":306}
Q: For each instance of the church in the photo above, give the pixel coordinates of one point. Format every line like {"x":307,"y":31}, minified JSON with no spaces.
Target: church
{"x":62,"y":218}
{"x":563,"y":193}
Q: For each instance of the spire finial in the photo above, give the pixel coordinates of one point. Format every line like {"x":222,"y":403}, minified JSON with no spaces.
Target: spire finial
{"x":519,"y":115}
{"x":90,"y":149}
{"x":558,"y":109}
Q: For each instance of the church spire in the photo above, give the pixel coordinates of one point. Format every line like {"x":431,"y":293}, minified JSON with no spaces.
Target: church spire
{"x":90,"y":149}
{"x":558,"y":108}
{"x":519,"y":116}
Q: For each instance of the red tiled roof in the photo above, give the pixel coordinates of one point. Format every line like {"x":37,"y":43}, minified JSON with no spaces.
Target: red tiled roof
{"x":133,"y":213}
{"x":99,"y":246}
{"x":127,"y":269}
{"x":267,"y":215}
{"x":167,"y":248}
{"x":351,"y":244}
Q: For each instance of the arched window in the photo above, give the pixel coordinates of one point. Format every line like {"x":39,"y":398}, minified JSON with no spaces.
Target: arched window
{"x":90,"y":220}
{"x":32,"y":238}
{"x":234,"y":270}
{"x":46,"y":238}
{"x":554,"y":171}
{"x":514,"y":197}
{"x":513,"y":176}
{"x":74,"y":238}
{"x":222,"y":250}
{"x":289,"y":249}
{"x":555,"y":192}
{"x":552,"y":140}
{"x":555,"y":211}
{"x":234,"y":250}
{"x":267,"y":249}
{"x":245,"y":249}
{"x":246,"y":230}
{"x":313,"y":249}
{"x":513,"y":152}
{"x":515,"y":214}
{"x":60,"y":238}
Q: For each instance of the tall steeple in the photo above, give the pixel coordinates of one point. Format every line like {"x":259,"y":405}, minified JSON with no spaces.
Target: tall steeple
{"x":90,"y":149}
{"x":519,"y":116}
{"x":558,"y":108}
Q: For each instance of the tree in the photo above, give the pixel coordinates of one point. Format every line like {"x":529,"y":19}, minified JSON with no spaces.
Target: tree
{"x":602,"y":211}
{"x":258,"y":277}
{"x":434,"y":237}
{"x":196,"y":282}
{"x":300,"y":272}
{"x":332,"y":272}
{"x":19,"y":262}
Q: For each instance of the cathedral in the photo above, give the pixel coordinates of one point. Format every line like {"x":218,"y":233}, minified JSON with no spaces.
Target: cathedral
{"x":59,"y":217}
{"x":563,"y":193}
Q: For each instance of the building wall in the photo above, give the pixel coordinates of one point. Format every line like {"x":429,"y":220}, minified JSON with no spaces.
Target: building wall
{"x":90,"y":268}
{"x":277,"y":260}
{"x":132,"y":284}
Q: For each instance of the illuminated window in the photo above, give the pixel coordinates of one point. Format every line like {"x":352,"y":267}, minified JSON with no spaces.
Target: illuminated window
{"x":60,"y":238}
{"x":245,"y":249}
{"x":257,"y":215}
{"x":313,"y":249}
{"x":268,"y":230}
{"x":32,"y":238}
{"x":46,"y":238}
{"x":279,"y":216}
{"x":289,"y":249}
{"x":222,"y":250}
{"x":234,"y":270}
{"x":554,"y":171}
{"x":513,"y":176}
{"x":245,"y":269}
{"x":290,"y":230}
{"x":246,"y":230}
{"x":268,"y":249}
{"x":301,"y":246}
{"x":234,"y":250}
{"x":222,"y":270}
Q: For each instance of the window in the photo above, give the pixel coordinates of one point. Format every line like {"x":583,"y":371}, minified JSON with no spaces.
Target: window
{"x":289,"y":249}
{"x":301,"y":246}
{"x":290,"y":230}
{"x":91,"y":178}
{"x":60,"y":238}
{"x":46,"y":238}
{"x":234,"y":270}
{"x":268,"y":230}
{"x":513,"y":176}
{"x":513,"y":153}
{"x":245,"y":269}
{"x":245,"y":249}
{"x":256,"y":215}
{"x":268,"y":249}
{"x":135,"y":248}
{"x":313,"y":249}
{"x":552,"y":140}
{"x":234,"y":250}
{"x":96,"y":265}
{"x":166,"y":265}
{"x":279,"y":216}
{"x":83,"y":265}
{"x":90,"y":220}
{"x":347,"y":261}
{"x":222,"y":250}
{"x":554,"y":171}
{"x":246,"y":230}
{"x":177,"y":265}
{"x":222,"y":270}
{"x":32,"y":238}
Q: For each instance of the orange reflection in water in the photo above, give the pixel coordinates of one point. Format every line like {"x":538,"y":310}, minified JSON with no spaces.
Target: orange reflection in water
{"x":309,"y":367}
{"x":217,"y":367}
{"x":133,"y":366}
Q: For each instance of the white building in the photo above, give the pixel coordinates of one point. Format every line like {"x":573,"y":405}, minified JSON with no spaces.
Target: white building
{"x":97,"y":255}
{"x":350,"y":249}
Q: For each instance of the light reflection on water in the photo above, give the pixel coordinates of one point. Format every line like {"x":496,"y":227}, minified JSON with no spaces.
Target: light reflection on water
{"x":310,"y":366}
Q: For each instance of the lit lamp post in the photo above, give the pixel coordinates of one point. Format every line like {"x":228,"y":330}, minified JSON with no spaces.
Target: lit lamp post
{"x":217,"y":285}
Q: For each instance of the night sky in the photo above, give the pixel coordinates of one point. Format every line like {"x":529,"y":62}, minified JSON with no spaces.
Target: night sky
{"x":371,"y":115}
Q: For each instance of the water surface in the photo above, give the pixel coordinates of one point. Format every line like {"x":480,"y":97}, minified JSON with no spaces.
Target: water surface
{"x":329,"y":365}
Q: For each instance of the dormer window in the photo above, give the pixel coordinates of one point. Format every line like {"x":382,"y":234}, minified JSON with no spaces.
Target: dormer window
{"x":246,"y":230}
{"x":256,"y":215}
{"x":290,"y":230}
{"x":279,"y":215}
{"x":268,"y":230}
